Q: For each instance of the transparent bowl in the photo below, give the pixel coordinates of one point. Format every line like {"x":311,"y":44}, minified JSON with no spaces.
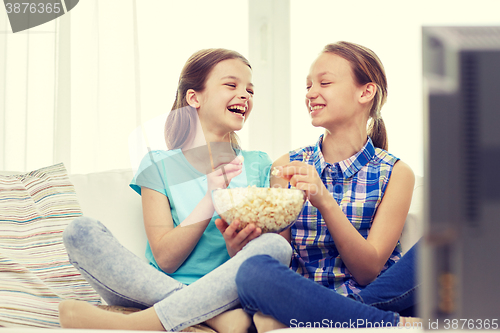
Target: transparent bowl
{"x":271,"y":209}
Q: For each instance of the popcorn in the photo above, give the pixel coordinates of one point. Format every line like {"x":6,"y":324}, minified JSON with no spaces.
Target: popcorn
{"x":275,"y":171}
{"x":271,"y":209}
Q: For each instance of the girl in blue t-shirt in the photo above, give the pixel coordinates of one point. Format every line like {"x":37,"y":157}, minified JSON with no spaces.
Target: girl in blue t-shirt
{"x":193,"y":260}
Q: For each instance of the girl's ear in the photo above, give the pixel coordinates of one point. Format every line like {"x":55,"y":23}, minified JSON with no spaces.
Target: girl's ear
{"x":368,"y":92}
{"x":192,"y":98}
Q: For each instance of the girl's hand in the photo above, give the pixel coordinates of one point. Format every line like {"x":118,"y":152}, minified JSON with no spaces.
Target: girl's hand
{"x":235,"y":240}
{"x":225,"y":170}
{"x":305,"y":177}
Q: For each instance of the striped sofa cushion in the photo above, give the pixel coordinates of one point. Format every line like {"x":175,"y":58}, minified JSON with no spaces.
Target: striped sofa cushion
{"x":35,"y":274}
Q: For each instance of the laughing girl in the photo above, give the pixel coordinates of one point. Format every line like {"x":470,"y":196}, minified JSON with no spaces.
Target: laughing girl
{"x":192,"y":265}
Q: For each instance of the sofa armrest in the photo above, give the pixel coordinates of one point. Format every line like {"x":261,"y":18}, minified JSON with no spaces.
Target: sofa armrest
{"x":414,"y":225}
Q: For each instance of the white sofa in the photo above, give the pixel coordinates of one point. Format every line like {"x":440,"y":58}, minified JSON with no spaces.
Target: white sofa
{"x":107,"y":197}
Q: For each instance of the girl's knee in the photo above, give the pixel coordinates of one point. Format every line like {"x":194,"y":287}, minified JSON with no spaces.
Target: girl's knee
{"x":258,"y":277}
{"x":250,"y":271}
{"x":250,"y":266}
{"x":276,"y":246}
{"x":77,"y":232}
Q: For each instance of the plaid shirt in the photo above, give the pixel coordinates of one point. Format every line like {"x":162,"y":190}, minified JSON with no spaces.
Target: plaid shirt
{"x":358,"y":185}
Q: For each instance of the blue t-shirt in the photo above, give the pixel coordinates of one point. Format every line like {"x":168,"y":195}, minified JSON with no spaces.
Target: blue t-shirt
{"x":170,"y":173}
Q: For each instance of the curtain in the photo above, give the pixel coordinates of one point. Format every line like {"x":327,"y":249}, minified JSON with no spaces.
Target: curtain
{"x":27,"y":98}
{"x":79,"y":88}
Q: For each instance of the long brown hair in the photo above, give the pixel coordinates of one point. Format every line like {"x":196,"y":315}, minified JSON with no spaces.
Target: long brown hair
{"x":194,"y":75}
{"x":367,"y":67}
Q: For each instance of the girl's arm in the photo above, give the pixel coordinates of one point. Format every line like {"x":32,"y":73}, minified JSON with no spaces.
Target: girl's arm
{"x":364,"y":258}
{"x":281,"y":183}
{"x":172,"y":245}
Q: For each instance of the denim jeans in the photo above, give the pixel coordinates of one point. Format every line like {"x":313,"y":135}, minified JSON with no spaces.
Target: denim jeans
{"x":122,"y":278}
{"x":397,"y":288}
{"x":299,"y":302}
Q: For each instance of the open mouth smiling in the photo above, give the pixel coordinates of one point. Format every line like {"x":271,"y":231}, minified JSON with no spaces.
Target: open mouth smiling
{"x":238,"y":109}
{"x":316,"y":107}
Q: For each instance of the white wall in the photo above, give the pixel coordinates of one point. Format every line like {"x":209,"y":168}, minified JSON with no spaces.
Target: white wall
{"x":103,"y":59}
{"x":392,"y":29}
{"x":268,"y":127}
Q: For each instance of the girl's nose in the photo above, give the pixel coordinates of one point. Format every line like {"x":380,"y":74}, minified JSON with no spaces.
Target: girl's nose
{"x":245,"y":95}
{"x":311,"y":93}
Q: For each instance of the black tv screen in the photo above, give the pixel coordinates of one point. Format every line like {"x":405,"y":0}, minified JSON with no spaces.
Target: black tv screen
{"x":460,"y":256}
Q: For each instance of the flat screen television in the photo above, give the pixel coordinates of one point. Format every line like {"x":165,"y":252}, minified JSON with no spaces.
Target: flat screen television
{"x":460,"y":252}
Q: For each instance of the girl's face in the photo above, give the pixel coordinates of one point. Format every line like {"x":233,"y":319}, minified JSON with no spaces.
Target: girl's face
{"x":227,"y":99}
{"x":332,"y":93}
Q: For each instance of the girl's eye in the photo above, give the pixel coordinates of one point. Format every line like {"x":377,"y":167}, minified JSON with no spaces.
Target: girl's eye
{"x":325,"y":83}
{"x":308,"y":87}
{"x":250,"y":91}
{"x":232,"y":85}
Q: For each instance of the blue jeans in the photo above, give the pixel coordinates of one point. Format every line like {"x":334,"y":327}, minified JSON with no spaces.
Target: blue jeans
{"x":270,"y":287}
{"x":122,"y":278}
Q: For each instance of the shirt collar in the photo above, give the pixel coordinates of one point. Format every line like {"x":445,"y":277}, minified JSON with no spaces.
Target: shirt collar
{"x":350,"y":166}
{"x":317,"y":156}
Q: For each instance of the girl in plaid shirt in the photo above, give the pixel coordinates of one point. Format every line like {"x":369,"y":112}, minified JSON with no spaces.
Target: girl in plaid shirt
{"x":358,"y":194}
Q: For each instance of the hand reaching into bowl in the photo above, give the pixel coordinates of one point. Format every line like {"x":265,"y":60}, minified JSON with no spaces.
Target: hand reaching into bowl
{"x":305,"y":177}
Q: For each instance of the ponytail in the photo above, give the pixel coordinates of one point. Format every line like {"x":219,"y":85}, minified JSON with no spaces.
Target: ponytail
{"x":180,"y":124}
{"x":378,"y":133}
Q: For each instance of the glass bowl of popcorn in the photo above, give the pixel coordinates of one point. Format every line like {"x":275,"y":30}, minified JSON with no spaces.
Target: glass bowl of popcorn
{"x":271,"y":209}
